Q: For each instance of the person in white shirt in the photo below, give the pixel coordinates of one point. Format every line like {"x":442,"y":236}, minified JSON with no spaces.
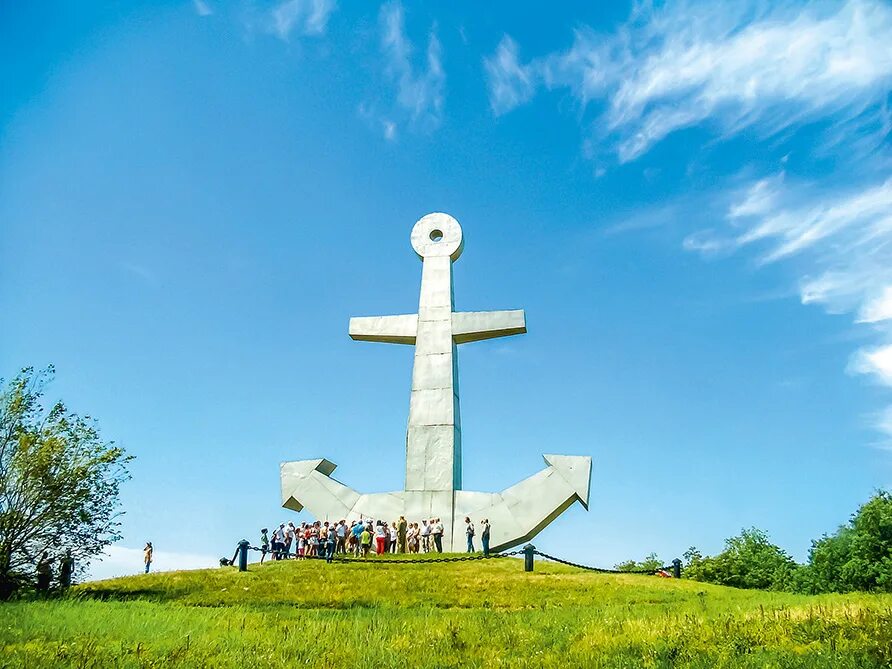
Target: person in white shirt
{"x":380,"y":538}
{"x":425,"y":537}
{"x":438,"y":534}
{"x":278,"y":541}
{"x":393,"y":537}
{"x":341,"y":531}
{"x":289,"y":538}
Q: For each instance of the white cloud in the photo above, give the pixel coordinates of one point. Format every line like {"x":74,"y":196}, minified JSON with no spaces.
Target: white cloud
{"x":876,"y":362}
{"x":843,"y":240}
{"x":735,"y":66}
{"x":420,"y":89}
{"x":123,"y":561}
{"x":202,"y":8}
{"x":510,"y":83}
{"x":305,"y":17}
{"x":878,"y":308}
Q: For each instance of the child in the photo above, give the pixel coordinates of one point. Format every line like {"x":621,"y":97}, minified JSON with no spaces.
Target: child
{"x":365,"y":541}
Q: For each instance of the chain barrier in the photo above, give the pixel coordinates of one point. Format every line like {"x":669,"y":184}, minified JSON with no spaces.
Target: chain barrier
{"x":344,"y":558}
{"x":600,"y":570}
{"x":341,"y":557}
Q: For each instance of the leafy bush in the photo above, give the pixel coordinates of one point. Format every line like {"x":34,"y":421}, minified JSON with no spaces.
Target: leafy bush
{"x":650,"y":563}
{"x":749,"y":560}
{"x":858,"y":556}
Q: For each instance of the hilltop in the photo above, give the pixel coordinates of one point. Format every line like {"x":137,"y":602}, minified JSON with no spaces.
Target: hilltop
{"x":482,"y":613}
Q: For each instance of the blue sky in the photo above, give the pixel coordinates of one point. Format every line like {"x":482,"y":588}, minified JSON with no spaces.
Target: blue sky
{"x":691,"y":201}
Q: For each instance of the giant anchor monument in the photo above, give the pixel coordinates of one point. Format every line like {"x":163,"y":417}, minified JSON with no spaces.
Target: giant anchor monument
{"x":433,"y":439}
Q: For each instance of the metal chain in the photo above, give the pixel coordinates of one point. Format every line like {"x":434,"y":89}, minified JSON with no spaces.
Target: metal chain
{"x":600,"y":570}
{"x":465,"y":558}
{"x":375,"y":560}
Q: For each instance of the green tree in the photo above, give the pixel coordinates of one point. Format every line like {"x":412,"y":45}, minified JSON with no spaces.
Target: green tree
{"x":59,"y":482}
{"x":650,"y":563}
{"x":858,"y":556}
{"x":749,"y":560}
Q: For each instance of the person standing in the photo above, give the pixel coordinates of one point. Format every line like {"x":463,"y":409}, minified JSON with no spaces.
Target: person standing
{"x":438,"y":534}
{"x":264,"y":544}
{"x":289,"y":538}
{"x":331,"y":543}
{"x":425,"y":537}
{"x":391,"y":546}
{"x":356,"y":532}
{"x":401,"y":534}
{"x":341,"y":532}
{"x":66,"y":568}
{"x":484,"y":535}
{"x":147,"y":554}
{"x":45,"y":573}
{"x":469,"y":532}
{"x":278,"y":541}
{"x":380,"y":538}
{"x":365,"y":540}
{"x":412,"y":538}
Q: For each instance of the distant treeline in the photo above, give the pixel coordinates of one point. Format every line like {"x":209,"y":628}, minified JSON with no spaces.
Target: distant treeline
{"x":857,"y":557}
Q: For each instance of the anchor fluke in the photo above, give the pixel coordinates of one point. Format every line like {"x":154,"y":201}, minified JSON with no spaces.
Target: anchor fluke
{"x":308,"y":483}
{"x":576,"y":470}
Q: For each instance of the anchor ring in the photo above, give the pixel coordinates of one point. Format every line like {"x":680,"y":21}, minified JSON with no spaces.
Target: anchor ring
{"x":437,"y":235}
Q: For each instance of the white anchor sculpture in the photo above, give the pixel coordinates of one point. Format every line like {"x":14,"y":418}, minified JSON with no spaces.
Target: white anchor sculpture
{"x":433,"y":439}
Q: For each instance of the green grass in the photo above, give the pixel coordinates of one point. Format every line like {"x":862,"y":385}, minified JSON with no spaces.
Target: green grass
{"x":490,"y":613}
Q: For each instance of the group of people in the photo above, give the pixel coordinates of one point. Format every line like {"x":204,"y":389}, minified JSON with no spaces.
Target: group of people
{"x":362,"y":537}
{"x":44,"y":570}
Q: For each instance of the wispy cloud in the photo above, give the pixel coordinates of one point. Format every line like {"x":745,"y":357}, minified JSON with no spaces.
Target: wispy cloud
{"x":301,"y":17}
{"x":739,"y":66}
{"x":202,"y":8}
{"x":141,"y":271}
{"x":419,"y":84}
{"x":841,"y":241}
{"x":510,"y":83}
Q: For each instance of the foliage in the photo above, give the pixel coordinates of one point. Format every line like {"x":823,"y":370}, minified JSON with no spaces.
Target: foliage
{"x":651,"y":563}
{"x":858,"y":556}
{"x":469,"y":614}
{"x":749,"y":560}
{"x":58,"y":482}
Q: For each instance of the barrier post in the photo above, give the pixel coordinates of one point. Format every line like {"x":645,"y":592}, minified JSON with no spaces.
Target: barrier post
{"x":243,"y":555}
{"x":676,"y":568}
{"x":528,"y":557}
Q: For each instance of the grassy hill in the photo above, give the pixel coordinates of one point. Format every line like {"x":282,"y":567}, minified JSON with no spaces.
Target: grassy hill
{"x":483,"y":613}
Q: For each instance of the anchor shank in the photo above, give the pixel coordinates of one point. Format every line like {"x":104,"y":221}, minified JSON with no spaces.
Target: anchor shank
{"x":433,"y":437}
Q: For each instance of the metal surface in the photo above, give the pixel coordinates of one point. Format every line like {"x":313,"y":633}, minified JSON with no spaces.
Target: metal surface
{"x":433,"y":437}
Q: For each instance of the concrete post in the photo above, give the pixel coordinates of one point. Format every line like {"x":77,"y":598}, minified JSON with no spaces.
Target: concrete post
{"x":528,"y":557}
{"x":243,"y":555}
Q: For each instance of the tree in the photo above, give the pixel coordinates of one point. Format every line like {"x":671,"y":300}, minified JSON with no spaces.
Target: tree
{"x":749,"y":560}
{"x":59,"y":482}
{"x":650,"y":563}
{"x":858,"y":556}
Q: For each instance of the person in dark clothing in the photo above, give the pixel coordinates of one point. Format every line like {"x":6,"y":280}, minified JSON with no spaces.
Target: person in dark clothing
{"x":264,"y":544}
{"x":66,"y":568}
{"x":484,"y":535}
{"x":401,"y":534}
{"x":44,"y":573}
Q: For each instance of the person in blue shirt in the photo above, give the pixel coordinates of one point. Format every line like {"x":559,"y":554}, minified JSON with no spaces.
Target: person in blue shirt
{"x":358,"y":527}
{"x":330,"y":544}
